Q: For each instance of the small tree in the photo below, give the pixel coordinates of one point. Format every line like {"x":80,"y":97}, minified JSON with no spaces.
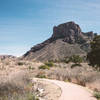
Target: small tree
{"x":76,"y":59}
{"x":94,"y":55}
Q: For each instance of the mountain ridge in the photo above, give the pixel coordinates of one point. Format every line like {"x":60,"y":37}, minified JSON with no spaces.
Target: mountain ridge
{"x":68,"y":37}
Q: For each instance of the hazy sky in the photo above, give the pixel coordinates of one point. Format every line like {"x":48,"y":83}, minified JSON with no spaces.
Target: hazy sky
{"x":24,"y":23}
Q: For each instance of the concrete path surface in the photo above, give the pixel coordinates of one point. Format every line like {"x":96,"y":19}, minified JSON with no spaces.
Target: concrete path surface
{"x":72,"y":91}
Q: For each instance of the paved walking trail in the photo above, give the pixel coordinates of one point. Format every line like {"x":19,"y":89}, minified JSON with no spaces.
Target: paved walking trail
{"x":72,"y":91}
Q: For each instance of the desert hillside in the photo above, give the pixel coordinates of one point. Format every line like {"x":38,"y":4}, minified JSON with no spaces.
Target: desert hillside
{"x":67,"y":40}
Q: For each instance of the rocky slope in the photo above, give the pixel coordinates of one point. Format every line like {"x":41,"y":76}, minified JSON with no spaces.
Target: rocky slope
{"x":67,"y":40}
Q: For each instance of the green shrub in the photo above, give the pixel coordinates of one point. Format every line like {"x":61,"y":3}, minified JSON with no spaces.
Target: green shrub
{"x":66,"y":60}
{"x":94,"y":55}
{"x":20,"y":63}
{"x":76,"y":59}
{"x":31,"y":68}
{"x":97,"y":95}
{"x":75,"y":65}
{"x":41,"y":76}
{"x":44,"y":67}
{"x":32,"y":97}
{"x":49,"y":64}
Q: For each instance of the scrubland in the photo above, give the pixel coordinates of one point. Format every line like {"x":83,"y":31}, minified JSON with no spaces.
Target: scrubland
{"x":16,"y":77}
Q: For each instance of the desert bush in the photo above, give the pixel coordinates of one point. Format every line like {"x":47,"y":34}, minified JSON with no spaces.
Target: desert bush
{"x":20,"y":63}
{"x":97,"y":95}
{"x":59,"y":74}
{"x":94,"y":55}
{"x":80,"y":75}
{"x":41,"y":75}
{"x":31,"y":68}
{"x":66,"y":60}
{"x":75,"y":65}
{"x":44,"y":67}
{"x":15,"y":82}
{"x":49,"y":64}
{"x":76,"y":59}
{"x":16,"y":86}
{"x":32,"y":97}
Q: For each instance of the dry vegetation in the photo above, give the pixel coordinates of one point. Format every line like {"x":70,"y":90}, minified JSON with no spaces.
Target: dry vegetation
{"x":83,"y":75}
{"x":15,"y":77}
{"x":16,"y":80}
{"x":16,"y":86}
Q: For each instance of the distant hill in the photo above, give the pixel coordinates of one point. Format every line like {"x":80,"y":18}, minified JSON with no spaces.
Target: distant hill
{"x":3,"y":57}
{"x":67,"y":40}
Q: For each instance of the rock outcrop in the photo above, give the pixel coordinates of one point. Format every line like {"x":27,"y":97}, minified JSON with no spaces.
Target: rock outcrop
{"x":67,"y":40}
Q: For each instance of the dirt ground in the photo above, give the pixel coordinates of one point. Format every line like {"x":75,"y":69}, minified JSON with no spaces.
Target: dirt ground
{"x":50,"y":91}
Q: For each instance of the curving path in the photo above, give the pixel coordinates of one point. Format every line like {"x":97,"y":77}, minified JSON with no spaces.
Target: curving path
{"x":72,"y":91}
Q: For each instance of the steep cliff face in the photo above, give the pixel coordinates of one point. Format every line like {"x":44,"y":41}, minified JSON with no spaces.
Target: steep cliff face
{"x":67,"y":40}
{"x":71,"y":33}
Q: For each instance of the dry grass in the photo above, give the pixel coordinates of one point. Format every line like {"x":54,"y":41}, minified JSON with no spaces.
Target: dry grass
{"x":84,"y":76}
{"x":16,"y":86}
{"x":15,"y":83}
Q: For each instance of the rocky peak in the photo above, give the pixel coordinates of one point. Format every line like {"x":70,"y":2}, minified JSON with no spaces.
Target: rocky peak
{"x":70,"y":32}
{"x":67,"y":30}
